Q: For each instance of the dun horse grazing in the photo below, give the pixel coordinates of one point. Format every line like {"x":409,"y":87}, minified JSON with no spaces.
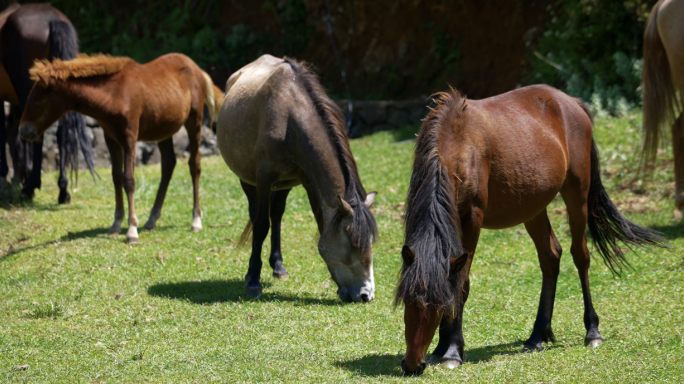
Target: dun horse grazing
{"x":278,"y":129}
{"x":131,"y":102}
{"x":496,"y":163}
{"x":27,"y":33}
{"x":663,"y":75}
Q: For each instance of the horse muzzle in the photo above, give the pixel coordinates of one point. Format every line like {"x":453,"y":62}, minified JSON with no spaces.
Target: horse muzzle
{"x":412,"y":371}
{"x":28,"y":132}
{"x":364,"y":294}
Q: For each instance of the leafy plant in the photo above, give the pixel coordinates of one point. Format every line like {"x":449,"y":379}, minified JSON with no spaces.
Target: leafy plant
{"x":592,"y":49}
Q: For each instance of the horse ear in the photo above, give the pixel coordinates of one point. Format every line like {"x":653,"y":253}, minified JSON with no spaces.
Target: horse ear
{"x":457,"y":263}
{"x":344,"y":207}
{"x":370,"y":198}
{"x":408,"y":255}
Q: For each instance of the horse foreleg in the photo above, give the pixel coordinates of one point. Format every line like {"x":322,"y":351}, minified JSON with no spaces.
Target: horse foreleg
{"x":450,"y":349}
{"x":168,"y":163}
{"x":33,"y":181}
{"x":116,"y":156}
{"x":63,"y":181}
{"x":129,"y":186}
{"x":278,"y":201}
{"x":194,"y":128}
{"x":576,"y":203}
{"x":4,"y":168}
{"x":259,"y":201}
{"x":678,"y":149}
{"x":549,"y":253}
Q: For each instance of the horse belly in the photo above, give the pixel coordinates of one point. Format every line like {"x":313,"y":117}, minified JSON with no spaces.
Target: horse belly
{"x":516,"y":197}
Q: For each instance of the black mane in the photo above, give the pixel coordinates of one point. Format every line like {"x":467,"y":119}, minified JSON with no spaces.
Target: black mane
{"x":363,"y":230}
{"x":432,"y":224}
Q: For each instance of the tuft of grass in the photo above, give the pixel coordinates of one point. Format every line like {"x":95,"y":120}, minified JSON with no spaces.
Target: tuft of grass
{"x":46,"y":311}
{"x":173,"y":308}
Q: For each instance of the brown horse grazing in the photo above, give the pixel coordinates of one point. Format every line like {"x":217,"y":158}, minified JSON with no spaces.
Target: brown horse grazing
{"x":27,"y":33}
{"x":663,"y":75}
{"x":278,"y":129}
{"x":496,"y":163}
{"x":131,"y":102}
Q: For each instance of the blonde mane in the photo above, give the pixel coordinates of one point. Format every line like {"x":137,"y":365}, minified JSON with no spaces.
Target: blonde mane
{"x":82,"y":66}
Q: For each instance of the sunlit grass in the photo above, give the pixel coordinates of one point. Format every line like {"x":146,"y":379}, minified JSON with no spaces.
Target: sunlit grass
{"x":79,"y":305}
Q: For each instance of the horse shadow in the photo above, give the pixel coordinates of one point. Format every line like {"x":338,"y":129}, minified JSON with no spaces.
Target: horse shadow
{"x":390,"y":364}
{"x":222,"y":291}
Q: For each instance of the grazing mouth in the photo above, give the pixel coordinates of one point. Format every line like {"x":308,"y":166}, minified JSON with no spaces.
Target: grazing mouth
{"x":28,"y":132}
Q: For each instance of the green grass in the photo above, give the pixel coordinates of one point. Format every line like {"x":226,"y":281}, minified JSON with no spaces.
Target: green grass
{"x":79,"y":305}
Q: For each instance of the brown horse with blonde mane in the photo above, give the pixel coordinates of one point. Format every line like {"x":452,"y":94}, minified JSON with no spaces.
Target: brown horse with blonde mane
{"x":278,"y":129}
{"x":132,"y":102}
{"x":663,"y":75}
{"x":496,"y":163}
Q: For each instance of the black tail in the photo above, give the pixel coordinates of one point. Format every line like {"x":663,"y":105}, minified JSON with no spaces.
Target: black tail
{"x":64,"y":45}
{"x":607,"y":226}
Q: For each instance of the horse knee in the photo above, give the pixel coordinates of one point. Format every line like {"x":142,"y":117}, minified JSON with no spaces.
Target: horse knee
{"x":129,"y":183}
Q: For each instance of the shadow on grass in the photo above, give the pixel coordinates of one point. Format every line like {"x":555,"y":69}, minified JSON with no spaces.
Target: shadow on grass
{"x":671,"y":231}
{"x":70,"y":236}
{"x":221,"y":291}
{"x":390,"y":365}
{"x":374,"y":365}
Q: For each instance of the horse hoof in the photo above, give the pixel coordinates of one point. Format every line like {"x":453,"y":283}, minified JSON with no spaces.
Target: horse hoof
{"x":282,"y":276}
{"x":148,"y":226}
{"x":451,"y":364}
{"x":114,"y":231}
{"x":195,"y":229}
{"x":532,"y":348}
{"x":254,"y":292}
{"x":132,"y":240}
{"x":593,"y":343}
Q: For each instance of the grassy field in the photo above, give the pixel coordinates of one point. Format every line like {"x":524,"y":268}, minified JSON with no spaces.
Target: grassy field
{"x":80,"y":306}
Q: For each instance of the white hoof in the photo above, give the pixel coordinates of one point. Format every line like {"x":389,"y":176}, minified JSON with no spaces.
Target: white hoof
{"x":132,"y":235}
{"x":451,"y":364}
{"x":594,"y":343}
{"x":196,"y":224}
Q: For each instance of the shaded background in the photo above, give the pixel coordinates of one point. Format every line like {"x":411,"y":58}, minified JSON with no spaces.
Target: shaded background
{"x":391,"y":49}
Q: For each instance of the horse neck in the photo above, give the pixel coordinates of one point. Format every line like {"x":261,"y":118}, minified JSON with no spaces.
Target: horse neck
{"x":321,"y":164}
{"x":86,"y":96}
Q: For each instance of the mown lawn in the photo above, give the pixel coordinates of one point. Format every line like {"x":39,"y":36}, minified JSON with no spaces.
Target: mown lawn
{"x":80,"y":306}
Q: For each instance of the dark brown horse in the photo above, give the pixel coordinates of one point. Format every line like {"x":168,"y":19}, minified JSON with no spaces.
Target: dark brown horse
{"x":132,"y":102}
{"x":28,"y":33}
{"x":278,"y":129}
{"x":496,"y":163}
{"x":662,"y":77}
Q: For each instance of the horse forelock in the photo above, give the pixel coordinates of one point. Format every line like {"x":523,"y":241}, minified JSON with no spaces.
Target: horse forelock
{"x":363,"y":231}
{"x":431,"y":223}
{"x":82,"y":66}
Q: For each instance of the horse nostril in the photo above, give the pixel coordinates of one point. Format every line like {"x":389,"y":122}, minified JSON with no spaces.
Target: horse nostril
{"x":365,"y":298}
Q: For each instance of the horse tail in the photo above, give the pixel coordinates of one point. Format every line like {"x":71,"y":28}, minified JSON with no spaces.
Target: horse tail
{"x":246,"y":235}
{"x":659,"y":96}
{"x":63,"y":42}
{"x":607,"y":226}
{"x":214,"y":96}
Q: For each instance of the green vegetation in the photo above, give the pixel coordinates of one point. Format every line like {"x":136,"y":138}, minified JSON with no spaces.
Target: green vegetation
{"x":592,"y":49}
{"x":79,"y":305}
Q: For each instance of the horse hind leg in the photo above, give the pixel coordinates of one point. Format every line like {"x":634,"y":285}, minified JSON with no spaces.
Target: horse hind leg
{"x":259,"y":201}
{"x":168,"y":163}
{"x":549,"y":252}
{"x":678,"y":149}
{"x":576,"y":203}
{"x":278,"y":201}
{"x":63,"y":181}
{"x":194,"y":127}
